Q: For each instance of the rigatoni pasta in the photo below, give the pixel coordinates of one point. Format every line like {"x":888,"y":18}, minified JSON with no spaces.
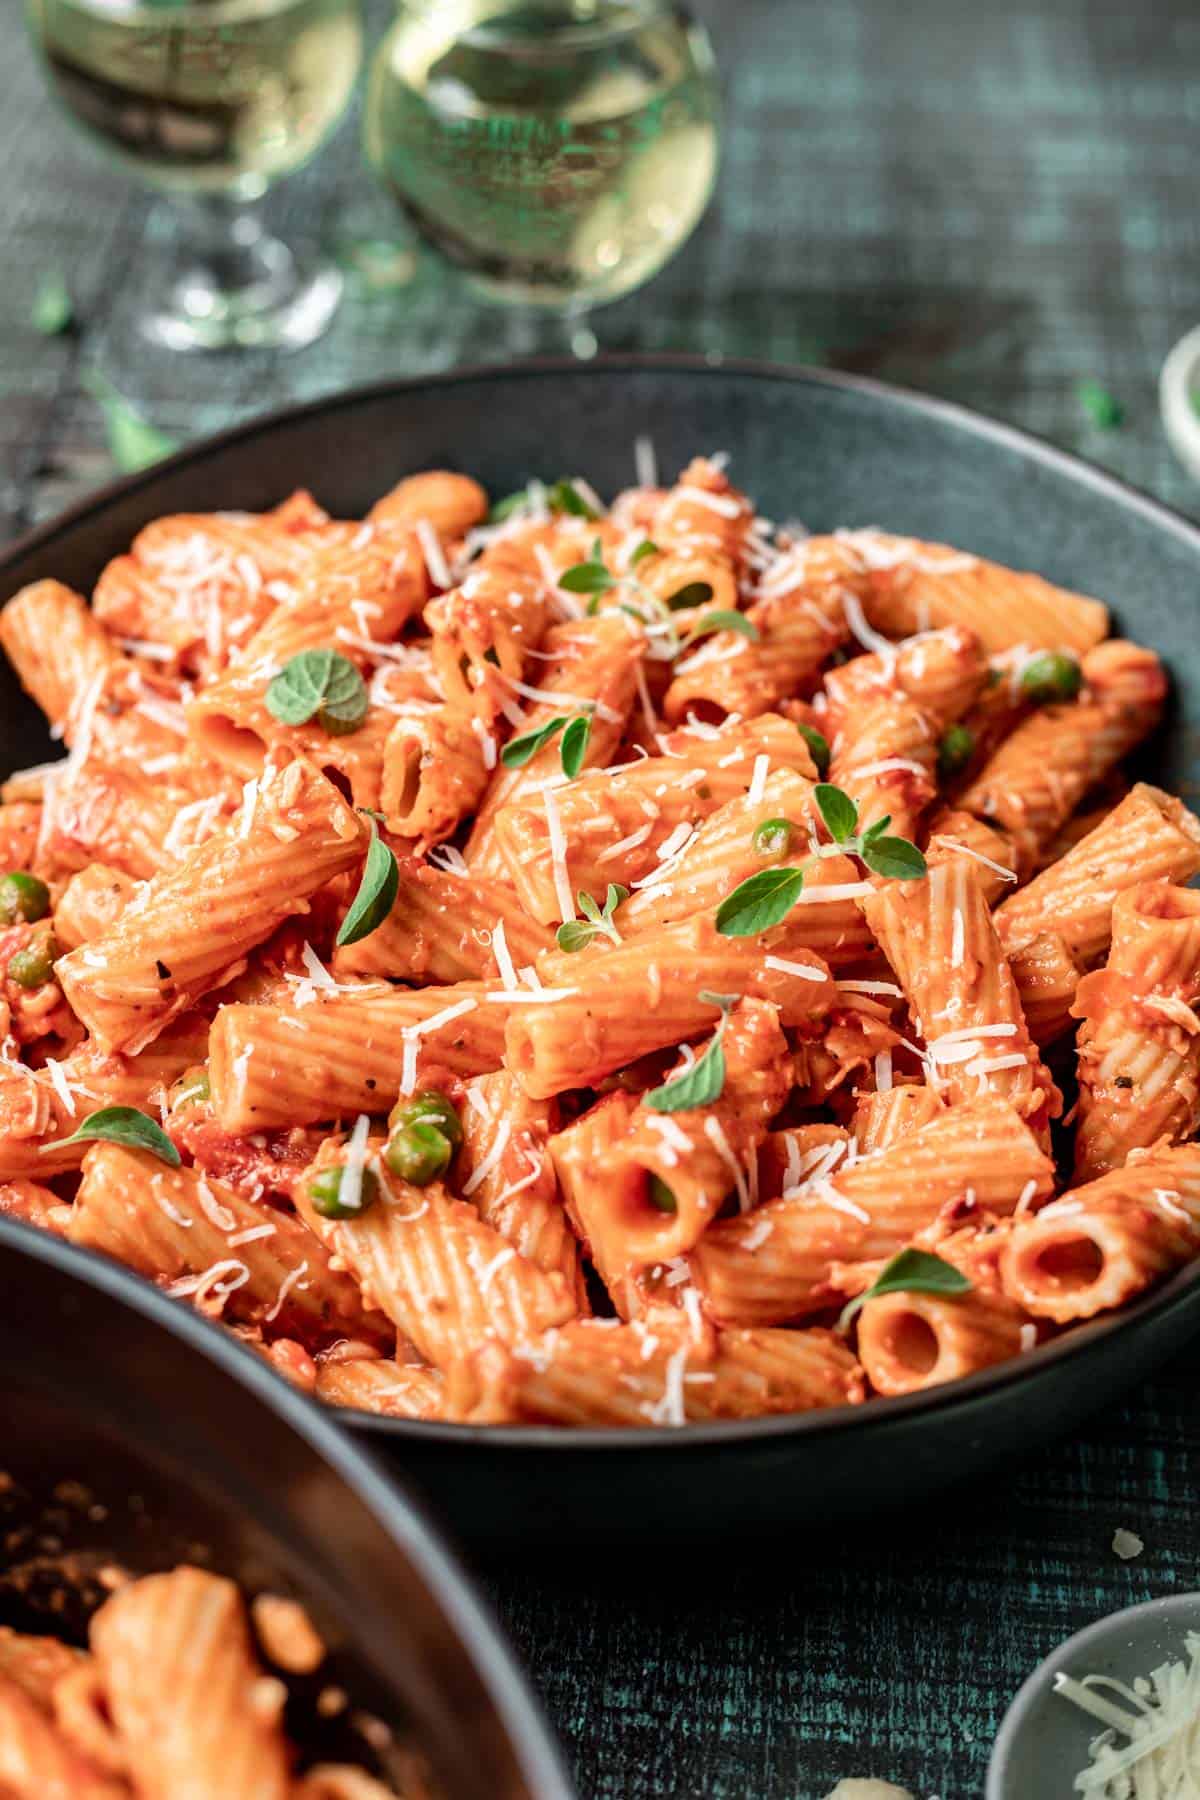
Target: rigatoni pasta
{"x":591,"y":966}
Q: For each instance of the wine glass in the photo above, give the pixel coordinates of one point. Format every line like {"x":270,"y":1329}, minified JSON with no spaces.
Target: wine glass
{"x":211,"y":101}
{"x":558,"y":152}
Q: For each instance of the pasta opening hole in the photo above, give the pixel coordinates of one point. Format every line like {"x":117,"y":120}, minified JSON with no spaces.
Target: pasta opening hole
{"x":1070,"y":1263}
{"x":709,"y":712}
{"x":404,"y":798}
{"x":914,"y":1343}
{"x":341,"y":783}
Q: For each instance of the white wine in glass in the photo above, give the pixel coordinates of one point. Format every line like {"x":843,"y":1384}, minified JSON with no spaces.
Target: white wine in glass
{"x":558,"y":151}
{"x":212,"y":101}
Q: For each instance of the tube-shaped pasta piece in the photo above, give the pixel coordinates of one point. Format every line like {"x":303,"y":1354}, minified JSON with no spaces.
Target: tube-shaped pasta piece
{"x":704,"y":511}
{"x":1101,"y":1245}
{"x":60,"y":651}
{"x":398,"y":1390}
{"x":628,"y":1000}
{"x":187,"y":930}
{"x":185,"y":1692}
{"x":654,"y":1372}
{"x":642,"y":1185}
{"x":883,"y":1119}
{"x":443,"y":928}
{"x":723,"y":854}
{"x":37,"y":1664}
{"x":201,"y":584}
{"x":943,"y":672}
{"x":90,"y":904}
{"x":506,"y":1170}
{"x":452,"y":503}
{"x":99,"y":812}
{"x":37,"y":1762}
{"x":939,"y":938}
{"x":34,"y":1205}
{"x":916,"y":585}
{"x":615,"y":826}
{"x":347,"y":1052}
{"x":961,"y":834}
{"x":20,"y":830}
{"x":1150,"y":835}
{"x":1038,"y":776}
{"x":910,"y":1341}
{"x":210,"y":1242}
{"x":887,"y":763}
{"x":591,"y":666}
{"x":800,"y":618}
{"x":444,"y":1277}
{"x":435,"y":770}
{"x":776,"y":1263}
{"x":377,"y":580}
{"x":38,"y":1107}
{"x":1139,"y":1047}
{"x":1047,"y":976}
{"x":483,"y":633}
{"x":787,"y":1156}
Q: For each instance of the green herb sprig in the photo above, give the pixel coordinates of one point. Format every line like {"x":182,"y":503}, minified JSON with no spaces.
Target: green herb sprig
{"x":597,"y":921}
{"x":762,"y":900}
{"x":590,"y":577}
{"x":562,"y":496}
{"x":909,"y":1272}
{"x":319,"y":684}
{"x":704,"y":1082}
{"x":376,"y":892}
{"x":577,"y":731}
{"x":129,"y":1127}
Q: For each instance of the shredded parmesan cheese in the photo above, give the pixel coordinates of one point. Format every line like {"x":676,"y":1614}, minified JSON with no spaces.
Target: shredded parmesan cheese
{"x":558,"y":858}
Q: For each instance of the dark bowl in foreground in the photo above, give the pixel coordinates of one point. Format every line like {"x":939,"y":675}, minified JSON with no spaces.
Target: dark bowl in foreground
{"x":829,"y":450}
{"x":137,"y":1435}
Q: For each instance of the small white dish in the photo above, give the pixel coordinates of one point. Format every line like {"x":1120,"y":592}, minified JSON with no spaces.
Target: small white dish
{"x":1043,"y":1741}
{"x":1179,"y":398}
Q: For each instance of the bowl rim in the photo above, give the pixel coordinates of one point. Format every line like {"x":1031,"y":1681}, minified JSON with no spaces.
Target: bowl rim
{"x":1079,"y":1644}
{"x":407,"y":1519}
{"x":1175,"y":1296}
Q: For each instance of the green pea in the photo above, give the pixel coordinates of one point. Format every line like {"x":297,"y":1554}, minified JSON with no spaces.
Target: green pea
{"x":191,"y":1089}
{"x":773,"y":837}
{"x":33,"y":966}
{"x":955,"y":750}
{"x":325,"y":1192}
{"x":818,"y":746}
{"x":1051,"y":676}
{"x":661,"y":1196}
{"x":431,"y":1108}
{"x":23,"y":897}
{"x":418,"y":1153}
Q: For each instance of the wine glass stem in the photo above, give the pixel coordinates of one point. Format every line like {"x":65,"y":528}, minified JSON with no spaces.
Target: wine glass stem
{"x":227,"y":255}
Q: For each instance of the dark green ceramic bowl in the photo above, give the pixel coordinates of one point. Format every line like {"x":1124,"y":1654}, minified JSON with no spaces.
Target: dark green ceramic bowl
{"x":829,"y":450}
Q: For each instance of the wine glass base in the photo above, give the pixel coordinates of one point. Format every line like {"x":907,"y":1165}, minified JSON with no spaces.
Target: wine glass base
{"x":274,"y":300}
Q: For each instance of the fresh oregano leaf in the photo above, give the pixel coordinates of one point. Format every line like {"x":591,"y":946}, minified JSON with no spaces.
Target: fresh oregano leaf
{"x":320,"y":684}
{"x":724,"y":621}
{"x":129,"y":1127}
{"x":587,"y":578}
{"x":838,"y":811}
{"x":694,"y":594}
{"x":646,"y":548}
{"x":564,"y":496}
{"x":518,"y":751}
{"x":818,"y":747}
{"x":698,"y":1086}
{"x":894,"y":857}
{"x":376,"y":893}
{"x":574,"y":744}
{"x":759,"y":902}
{"x":574,"y":934}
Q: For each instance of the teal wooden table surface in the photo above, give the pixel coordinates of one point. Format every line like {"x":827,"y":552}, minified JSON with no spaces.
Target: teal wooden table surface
{"x":994,"y":204}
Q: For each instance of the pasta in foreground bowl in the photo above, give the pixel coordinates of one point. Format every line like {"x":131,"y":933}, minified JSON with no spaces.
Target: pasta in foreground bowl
{"x":597,"y":966}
